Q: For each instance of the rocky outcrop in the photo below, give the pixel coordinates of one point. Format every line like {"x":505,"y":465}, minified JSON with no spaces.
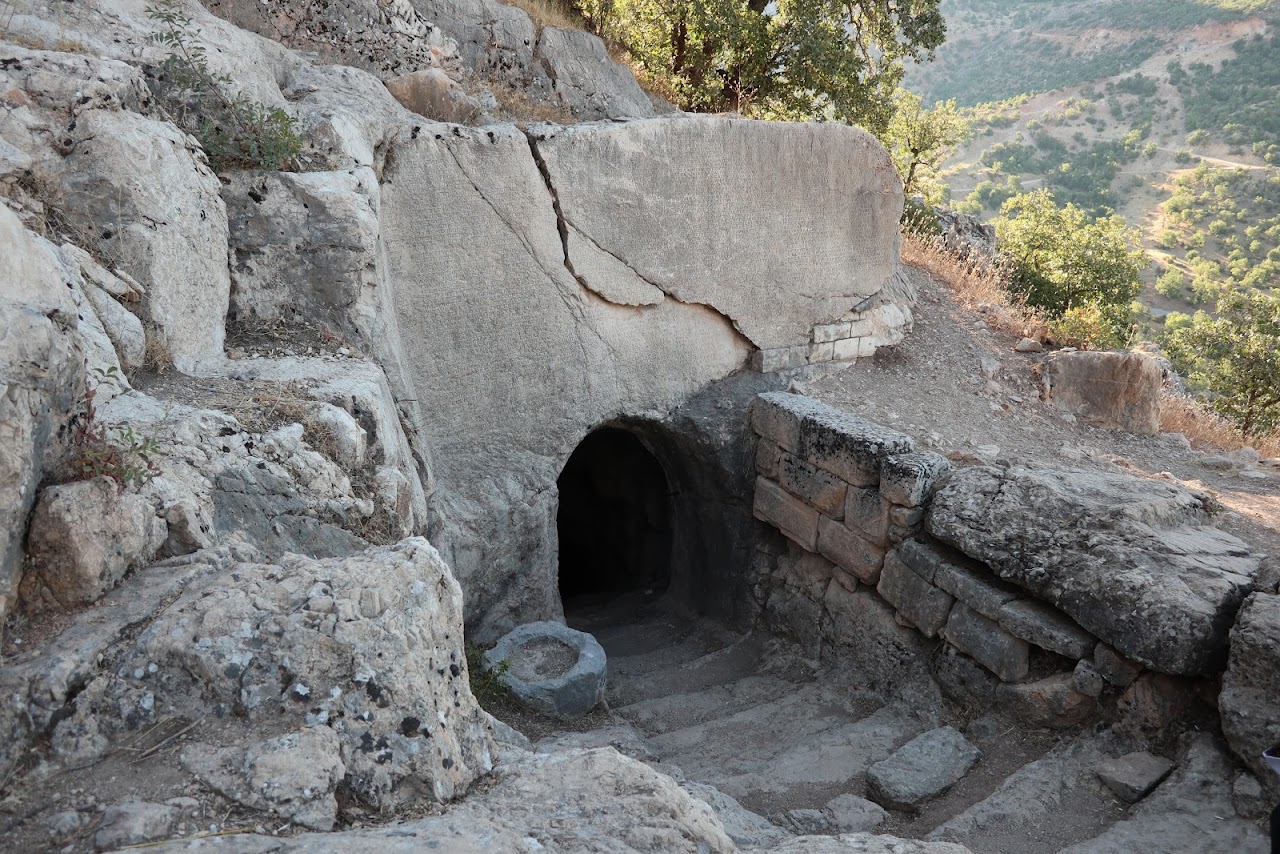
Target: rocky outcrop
{"x":732,"y":204}
{"x":1120,"y":391}
{"x":622,"y":326}
{"x":577,"y":72}
{"x":41,"y":382}
{"x":370,"y":645}
{"x":139,"y":191}
{"x":1251,"y":686}
{"x":1132,"y":561}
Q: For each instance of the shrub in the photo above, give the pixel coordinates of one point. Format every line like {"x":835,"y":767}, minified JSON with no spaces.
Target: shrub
{"x":115,"y":452}
{"x":1171,"y":283}
{"x":1089,"y":327}
{"x":235,"y":131}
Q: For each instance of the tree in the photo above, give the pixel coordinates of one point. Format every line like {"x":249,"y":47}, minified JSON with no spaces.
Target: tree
{"x":1062,"y":260}
{"x":785,"y":59}
{"x":1236,"y":357}
{"x":919,"y":140}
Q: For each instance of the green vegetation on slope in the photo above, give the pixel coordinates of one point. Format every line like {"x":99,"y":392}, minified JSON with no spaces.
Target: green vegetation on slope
{"x":1241,"y":100}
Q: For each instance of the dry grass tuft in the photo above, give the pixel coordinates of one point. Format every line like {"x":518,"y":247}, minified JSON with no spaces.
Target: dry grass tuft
{"x":519,"y":107}
{"x":1208,"y":430}
{"x":550,"y":13}
{"x":977,"y":282}
{"x":156,"y":357}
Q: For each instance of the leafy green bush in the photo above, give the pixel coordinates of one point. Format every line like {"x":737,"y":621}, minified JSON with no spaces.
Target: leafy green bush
{"x":1233,"y":357}
{"x":236,"y":132}
{"x":1171,"y":283}
{"x":1089,"y":327}
{"x":1062,"y":260}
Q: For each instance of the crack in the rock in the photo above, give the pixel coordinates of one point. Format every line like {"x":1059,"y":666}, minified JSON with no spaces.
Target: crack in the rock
{"x":562,"y":224}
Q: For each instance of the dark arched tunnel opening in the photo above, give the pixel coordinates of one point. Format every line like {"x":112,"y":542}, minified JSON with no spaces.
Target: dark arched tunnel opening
{"x":615,"y":522}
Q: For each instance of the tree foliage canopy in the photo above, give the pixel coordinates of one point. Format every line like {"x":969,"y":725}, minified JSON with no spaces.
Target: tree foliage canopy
{"x":919,"y":140}
{"x":783,"y":59}
{"x":1236,"y":356}
{"x":1064,"y":261}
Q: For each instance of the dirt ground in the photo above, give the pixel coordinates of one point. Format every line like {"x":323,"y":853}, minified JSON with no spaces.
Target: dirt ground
{"x":933,"y":387}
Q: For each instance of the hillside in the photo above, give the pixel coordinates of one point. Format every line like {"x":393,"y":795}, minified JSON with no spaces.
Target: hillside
{"x":1149,"y":110}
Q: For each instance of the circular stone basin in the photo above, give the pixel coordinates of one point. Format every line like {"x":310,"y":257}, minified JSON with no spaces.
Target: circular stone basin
{"x":552,"y":668}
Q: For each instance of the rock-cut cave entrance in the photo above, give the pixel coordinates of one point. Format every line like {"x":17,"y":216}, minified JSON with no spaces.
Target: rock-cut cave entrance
{"x":615,"y":521}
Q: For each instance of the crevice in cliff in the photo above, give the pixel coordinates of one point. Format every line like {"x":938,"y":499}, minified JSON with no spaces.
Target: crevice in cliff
{"x":562,"y":225}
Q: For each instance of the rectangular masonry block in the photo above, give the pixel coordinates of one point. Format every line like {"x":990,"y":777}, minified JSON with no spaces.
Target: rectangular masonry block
{"x":868,"y":514}
{"x":849,"y":551}
{"x":988,"y":644}
{"x":797,"y":520}
{"x":768,"y":459}
{"x":780,"y":358}
{"x":848,"y":349}
{"x":909,"y":480}
{"x":819,"y":353}
{"x":925,"y":606}
{"x":1046,"y":627}
{"x":849,"y":447}
{"x":964,"y":578}
{"x":778,"y":424}
{"x":830,"y":332}
{"x":820,"y":489}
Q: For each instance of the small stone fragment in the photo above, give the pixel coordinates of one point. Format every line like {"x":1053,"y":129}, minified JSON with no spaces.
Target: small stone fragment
{"x":133,"y":823}
{"x":1134,"y":775}
{"x":922,"y":768}
{"x":1029,"y":345}
{"x":1087,"y":680}
{"x":852,"y":814}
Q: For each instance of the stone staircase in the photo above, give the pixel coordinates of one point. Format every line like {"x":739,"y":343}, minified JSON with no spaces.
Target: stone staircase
{"x":792,"y":742}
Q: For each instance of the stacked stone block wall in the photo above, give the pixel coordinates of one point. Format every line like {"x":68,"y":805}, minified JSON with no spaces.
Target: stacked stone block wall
{"x":850,"y":496}
{"x":856,"y":335}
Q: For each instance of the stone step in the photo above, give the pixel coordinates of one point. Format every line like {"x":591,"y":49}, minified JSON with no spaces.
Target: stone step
{"x":1050,"y":802}
{"x":811,"y":770}
{"x":655,"y":646}
{"x":660,"y":715}
{"x":718,"y":667}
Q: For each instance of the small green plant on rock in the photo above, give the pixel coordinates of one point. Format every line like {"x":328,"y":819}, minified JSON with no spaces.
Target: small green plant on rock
{"x":235,"y":131}
{"x":486,"y":683}
{"x":119,"y":453}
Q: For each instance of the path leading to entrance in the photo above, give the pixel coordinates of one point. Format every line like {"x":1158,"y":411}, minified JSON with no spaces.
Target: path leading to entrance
{"x":792,"y":742}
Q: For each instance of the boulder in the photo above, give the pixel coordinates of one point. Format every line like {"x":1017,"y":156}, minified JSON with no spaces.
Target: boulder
{"x":550,"y":667}
{"x":1120,"y":391}
{"x":83,"y":538}
{"x":373,"y":641}
{"x":922,"y":768}
{"x":1132,"y":561}
{"x":41,"y":382}
{"x":432,"y":93}
{"x":139,"y":190}
{"x":852,"y":814}
{"x":584,"y":79}
{"x":1051,"y":702}
{"x":1251,"y":686}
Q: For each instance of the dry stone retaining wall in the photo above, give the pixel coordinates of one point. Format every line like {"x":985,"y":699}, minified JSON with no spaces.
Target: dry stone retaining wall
{"x":853,"y":500}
